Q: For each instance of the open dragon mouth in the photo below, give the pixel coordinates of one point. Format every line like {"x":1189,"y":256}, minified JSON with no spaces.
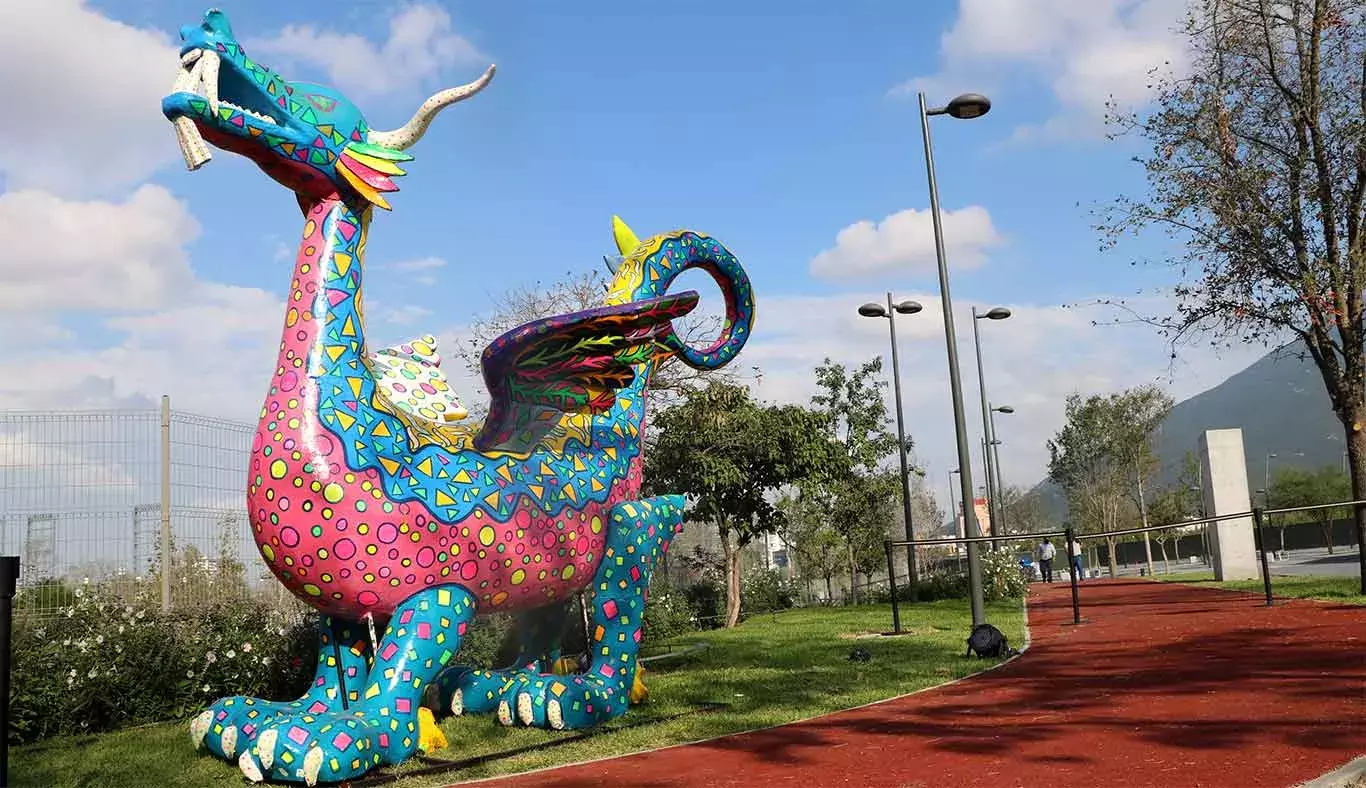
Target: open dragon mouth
{"x":201,"y":73}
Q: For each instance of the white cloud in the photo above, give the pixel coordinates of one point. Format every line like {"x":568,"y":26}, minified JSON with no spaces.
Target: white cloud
{"x":420,"y":264}
{"x":212,"y":353}
{"x":422,"y":270}
{"x":1085,"y":51}
{"x":420,"y":46}
{"x":407,"y":315}
{"x":904,"y":241}
{"x":67,"y":254}
{"x":85,"y":116}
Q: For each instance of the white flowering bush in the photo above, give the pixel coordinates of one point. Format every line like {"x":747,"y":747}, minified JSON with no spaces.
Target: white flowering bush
{"x":104,"y":662}
{"x":667,"y":612}
{"x":1001,"y":577}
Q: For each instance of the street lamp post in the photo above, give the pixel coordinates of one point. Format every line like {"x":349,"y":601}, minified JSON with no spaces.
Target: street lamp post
{"x":967,"y":106}
{"x":890,"y":312}
{"x":995,"y":313}
{"x":1266,"y":488}
{"x":1000,"y":516}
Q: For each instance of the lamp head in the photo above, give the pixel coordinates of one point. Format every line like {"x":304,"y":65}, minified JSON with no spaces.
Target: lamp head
{"x":873,"y":310}
{"x":1003,"y":409}
{"x":908,"y":307}
{"x":997,"y":313}
{"x":968,"y":106}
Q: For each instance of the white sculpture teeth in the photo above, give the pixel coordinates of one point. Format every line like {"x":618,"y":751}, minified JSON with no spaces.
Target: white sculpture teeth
{"x":206,"y":68}
{"x":192,"y":145}
{"x":191,"y":78}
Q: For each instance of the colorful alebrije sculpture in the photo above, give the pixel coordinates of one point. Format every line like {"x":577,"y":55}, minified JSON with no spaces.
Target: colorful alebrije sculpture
{"x":375,"y":503}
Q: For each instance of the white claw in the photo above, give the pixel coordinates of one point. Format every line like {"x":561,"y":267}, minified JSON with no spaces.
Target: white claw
{"x":524,"y":708}
{"x":265,"y":747}
{"x":553,"y":715}
{"x":504,"y":713}
{"x":248,"y":767}
{"x":313,"y":763}
{"x":229,"y":740}
{"x":199,"y":728}
{"x":458,"y":703}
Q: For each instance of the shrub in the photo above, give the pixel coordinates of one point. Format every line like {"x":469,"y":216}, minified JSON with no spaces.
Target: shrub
{"x":706,"y":600}
{"x":667,"y":612}
{"x":765,"y":590}
{"x":110,"y":658}
{"x":104,"y":663}
{"x":1001,"y":577}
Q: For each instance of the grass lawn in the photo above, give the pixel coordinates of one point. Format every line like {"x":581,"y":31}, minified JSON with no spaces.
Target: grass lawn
{"x":770,"y":670}
{"x":1329,"y":588}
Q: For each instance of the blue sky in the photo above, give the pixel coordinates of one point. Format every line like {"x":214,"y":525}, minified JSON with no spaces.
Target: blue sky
{"x":771,"y":126}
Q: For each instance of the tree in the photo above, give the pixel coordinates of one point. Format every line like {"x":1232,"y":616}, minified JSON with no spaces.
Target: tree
{"x":1025,"y":512}
{"x":856,"y":492}
{"x":730,"y":454}
{"x":816,"y":547}
{"x":1292,"y":487}
{"x":1097,"y":455}
{"x":1174,"y":504}
{"x":1143,"y":408}
{"x":1258,"y":168}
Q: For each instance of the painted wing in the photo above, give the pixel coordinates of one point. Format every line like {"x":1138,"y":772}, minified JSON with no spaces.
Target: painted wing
{"x":574,"y":363}
{"x":411,"y":376}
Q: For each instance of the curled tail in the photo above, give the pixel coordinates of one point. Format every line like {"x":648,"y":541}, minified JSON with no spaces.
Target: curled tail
{"x":648,"y":267}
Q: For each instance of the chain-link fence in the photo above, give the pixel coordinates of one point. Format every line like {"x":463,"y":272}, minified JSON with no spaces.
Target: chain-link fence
{"x":103,"y":496}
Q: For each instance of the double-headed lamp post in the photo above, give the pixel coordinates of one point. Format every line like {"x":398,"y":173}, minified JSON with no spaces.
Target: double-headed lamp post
{"x":999,"y":518}
{"x":890,"y":312}
{"x":964,"y":107}
{"x":995,"y":313}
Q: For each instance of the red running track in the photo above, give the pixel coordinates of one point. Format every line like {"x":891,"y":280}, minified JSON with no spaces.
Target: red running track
{"x":1163,"y":685}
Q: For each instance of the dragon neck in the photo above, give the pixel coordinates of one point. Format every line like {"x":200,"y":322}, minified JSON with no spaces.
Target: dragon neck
{"x":323,"y":323}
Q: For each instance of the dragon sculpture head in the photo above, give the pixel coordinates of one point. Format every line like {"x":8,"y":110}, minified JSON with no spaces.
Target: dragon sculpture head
{"x":307,"y":137}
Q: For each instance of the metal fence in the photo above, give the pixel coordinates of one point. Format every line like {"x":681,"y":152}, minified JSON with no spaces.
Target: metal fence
{"x":103,"y":496}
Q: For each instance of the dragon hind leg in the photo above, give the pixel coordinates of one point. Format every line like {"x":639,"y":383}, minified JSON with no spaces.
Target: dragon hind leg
{"x":382,"y":726}
{"x":231,"y":725}
{"x":639,"y":532}
{"x":467,"y":690}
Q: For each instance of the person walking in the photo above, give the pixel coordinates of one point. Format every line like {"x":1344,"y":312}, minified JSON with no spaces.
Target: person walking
{"x":1046,"y":553}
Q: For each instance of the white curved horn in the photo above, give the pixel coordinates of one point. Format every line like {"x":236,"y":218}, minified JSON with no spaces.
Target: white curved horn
{"x":412,"y":131}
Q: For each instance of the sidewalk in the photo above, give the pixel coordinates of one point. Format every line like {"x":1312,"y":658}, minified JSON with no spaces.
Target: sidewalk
{"x":1164,"y":685}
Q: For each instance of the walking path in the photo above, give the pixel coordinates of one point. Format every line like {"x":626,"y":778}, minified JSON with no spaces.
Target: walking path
{"x":1163,"y":685}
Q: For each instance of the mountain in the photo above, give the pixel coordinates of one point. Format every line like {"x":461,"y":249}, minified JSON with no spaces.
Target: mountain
{"x":1280,"y":404}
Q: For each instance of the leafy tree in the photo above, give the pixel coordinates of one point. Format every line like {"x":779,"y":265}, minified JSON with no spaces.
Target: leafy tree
{"x":731,"y":454}
{"x":855,"y":493}
{"x":1145,"y":407}
{"x":1258,"y":169}
{"x":816,"y":547}
{"x":1025,"y":512}
{"x":1176,"y":503}
{"x":1295,"y":487}
{"x":1098,"y":454}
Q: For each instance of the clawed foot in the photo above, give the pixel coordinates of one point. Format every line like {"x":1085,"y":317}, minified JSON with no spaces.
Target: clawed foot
{"x":484,"y":691}
{"x":231,"y":725}
{"x":326,"y":747}
{"x":568,"y":702}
